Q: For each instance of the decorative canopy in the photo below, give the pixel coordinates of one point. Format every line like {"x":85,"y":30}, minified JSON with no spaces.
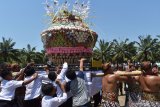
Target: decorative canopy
{"x":68,"y":33}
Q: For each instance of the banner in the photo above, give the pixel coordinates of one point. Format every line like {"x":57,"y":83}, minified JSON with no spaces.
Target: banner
{"x":57,"y":50}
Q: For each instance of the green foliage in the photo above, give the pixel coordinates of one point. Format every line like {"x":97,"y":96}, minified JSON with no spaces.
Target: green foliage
{"x":20,"y":56}
{"x":147,"y":49}
{"x":7,"y":51}
{"x":103,"y":51}
{"x":123,"y":51}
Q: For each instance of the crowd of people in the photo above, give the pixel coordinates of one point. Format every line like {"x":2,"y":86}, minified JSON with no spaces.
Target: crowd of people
{"x":65,"y":87}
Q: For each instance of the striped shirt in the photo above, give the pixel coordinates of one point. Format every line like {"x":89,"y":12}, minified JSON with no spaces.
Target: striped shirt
{"x":79,"y":91}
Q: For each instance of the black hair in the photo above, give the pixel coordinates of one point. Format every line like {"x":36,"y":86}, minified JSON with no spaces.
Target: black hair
{"x":52,"y":75}
{"x":106,"y":67}
{"x":29,"y":71}
{"x":146,"y":66}
{"x":47,"y":88}
{"x":70,"y":74}
{"x":155,"y":65}
{"x":5,"y":73}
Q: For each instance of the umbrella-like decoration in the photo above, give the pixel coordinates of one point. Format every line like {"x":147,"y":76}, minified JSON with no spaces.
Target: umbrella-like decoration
{"x":68,"y":36}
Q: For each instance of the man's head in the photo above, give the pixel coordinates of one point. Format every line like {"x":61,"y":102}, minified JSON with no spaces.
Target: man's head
{"x":70,"y":74}
{"x":48,"y":89}
{"x":146,"y":66}
{"x":131,"y":67}
{"x":29,"y":70}
{"x":52,"y":75}
{"x":15,"y":67}
{"x":155,"y":68}
{"x":106,"y":67}
{"x":6,"y":74}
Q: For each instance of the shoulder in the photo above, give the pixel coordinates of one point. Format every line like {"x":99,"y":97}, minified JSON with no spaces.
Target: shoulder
{"x":13,"y":82}
{"x":110,"y":77}
{"x":157,"y":78}
{"x":150,"y":78}
{"x":49,"y":98}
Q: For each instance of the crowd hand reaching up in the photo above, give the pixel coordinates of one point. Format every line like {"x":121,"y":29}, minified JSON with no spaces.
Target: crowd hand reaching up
{"x":81,"y":63}
{"x":62,"y":86}
{"x":82,"y":59}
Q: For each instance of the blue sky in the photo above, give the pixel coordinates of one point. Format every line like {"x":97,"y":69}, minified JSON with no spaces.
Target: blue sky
{"x":24,"y":20}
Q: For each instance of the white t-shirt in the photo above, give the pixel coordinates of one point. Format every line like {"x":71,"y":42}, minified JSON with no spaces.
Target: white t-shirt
{"x":8,"y":89}
{"x":49,"y":101}
{"x":33,"y":89}
{"x":59,"y":92}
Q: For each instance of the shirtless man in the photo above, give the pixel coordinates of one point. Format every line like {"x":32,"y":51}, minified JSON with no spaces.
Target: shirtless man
{"x":109,"y":86}
{"x":150,"y":85}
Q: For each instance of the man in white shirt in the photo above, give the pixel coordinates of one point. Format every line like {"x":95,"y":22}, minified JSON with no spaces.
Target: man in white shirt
{"x":53,"y":76}
{"x":49,"y":91}
{"x":9,"y":85}
{"x":33,"y":90}
{"x":60,"y":75}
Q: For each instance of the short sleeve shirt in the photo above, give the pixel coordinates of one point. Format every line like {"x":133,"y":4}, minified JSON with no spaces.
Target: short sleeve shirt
{"x":8,"y":89}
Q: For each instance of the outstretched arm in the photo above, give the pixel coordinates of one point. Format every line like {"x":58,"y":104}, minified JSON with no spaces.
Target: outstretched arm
{"x":133,"y":73}
{"x":20,"y":75}
{"x":30,"y":80}
{"x":62,"y":86}
{"x":97,"y":74}
{"x":62,"y":74}
{"x":124,"y":76}
{"x":81,"y":63}
{"x":120,"y":73}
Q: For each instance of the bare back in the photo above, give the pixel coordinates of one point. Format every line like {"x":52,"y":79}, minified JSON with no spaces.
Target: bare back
{"x":150,"y":83}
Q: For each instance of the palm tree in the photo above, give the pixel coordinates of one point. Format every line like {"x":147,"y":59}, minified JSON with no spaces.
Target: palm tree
{"x":123,"y":51}
{"x":39,"y":57}
{"x":29,"y":53}
{"x":7,"y":51}
{"x":102,"y":52}
{"x":147,"y":48}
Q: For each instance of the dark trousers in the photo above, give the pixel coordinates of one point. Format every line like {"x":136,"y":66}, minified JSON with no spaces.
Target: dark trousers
{"x":120,"y":88}
{"x":19,"y":96}
{"x":68,"y":103}
{"x":5,"y":103}
{"x":33,"y":103}
{"x":97,"y":99}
